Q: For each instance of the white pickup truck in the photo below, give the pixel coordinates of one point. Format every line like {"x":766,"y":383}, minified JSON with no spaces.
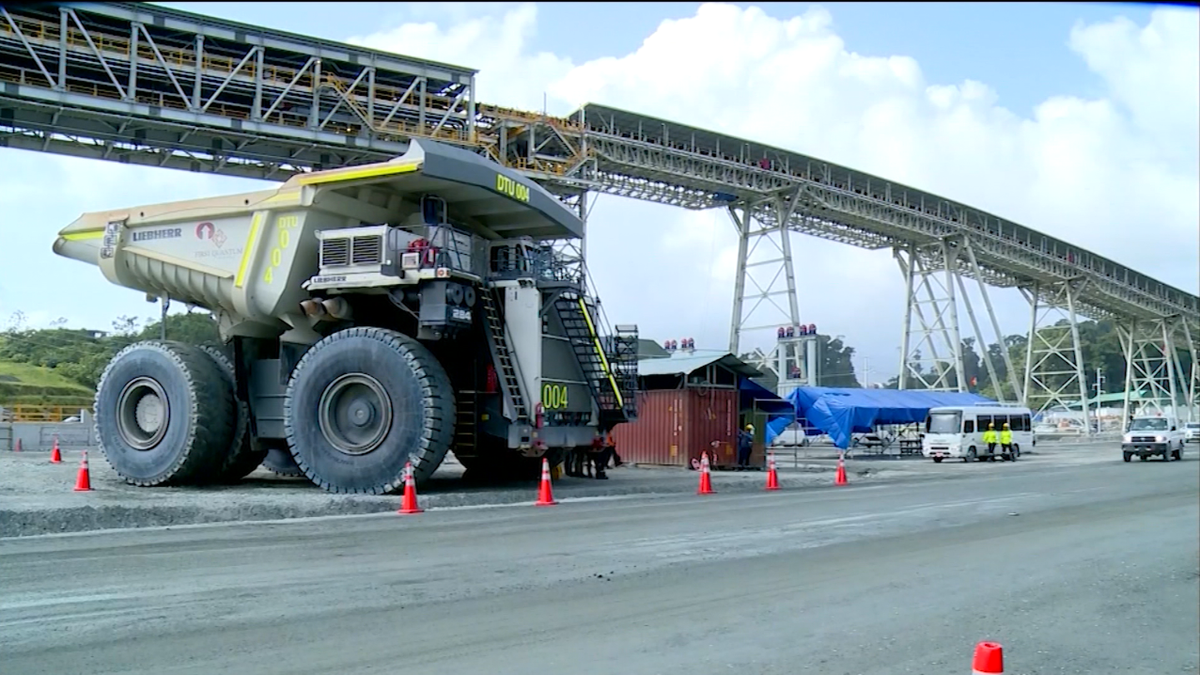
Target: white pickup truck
{"x":1191,"y":432}
{"x":1157,"y":435}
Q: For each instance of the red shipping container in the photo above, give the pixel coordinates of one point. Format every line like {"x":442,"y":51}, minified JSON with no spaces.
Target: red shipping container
{"x":674,"y":426}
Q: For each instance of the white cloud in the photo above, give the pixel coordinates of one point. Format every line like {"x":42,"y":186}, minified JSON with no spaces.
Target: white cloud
{"x":510,"y":74}
{"x":1117,"y":174}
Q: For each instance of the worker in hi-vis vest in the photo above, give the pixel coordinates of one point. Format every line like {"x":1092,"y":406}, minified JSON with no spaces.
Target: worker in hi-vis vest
{"x":989,"y":437}
{"x":1006,"y":440}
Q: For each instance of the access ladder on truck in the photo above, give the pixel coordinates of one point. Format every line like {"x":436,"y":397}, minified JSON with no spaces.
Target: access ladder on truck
{"x":506,"y":367}
{"x":608,"y":379}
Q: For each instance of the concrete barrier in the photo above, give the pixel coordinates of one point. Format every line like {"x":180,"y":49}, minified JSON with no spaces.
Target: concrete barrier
{"x":39,"y":436}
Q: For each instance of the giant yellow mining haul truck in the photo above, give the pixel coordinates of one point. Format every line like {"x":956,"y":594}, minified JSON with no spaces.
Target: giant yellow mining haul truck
{"x":371,"y":316}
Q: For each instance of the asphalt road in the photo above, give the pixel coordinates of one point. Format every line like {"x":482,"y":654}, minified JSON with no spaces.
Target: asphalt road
{"x":1091,"y":569}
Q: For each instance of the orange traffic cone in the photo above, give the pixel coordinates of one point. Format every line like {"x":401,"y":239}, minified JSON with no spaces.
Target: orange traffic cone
{"x":83,"y":481}
{"x":409,"y":503}
{"x":772,"y":476}
{"x":17,"y":447}
{"x":55,"y":455}
{"x":841,"y":470}
{"x":545,"y":494}
{"x":705,"y":477}
{"x":989,"y":659}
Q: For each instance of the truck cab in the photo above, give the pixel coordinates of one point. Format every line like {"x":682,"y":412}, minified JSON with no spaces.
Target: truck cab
{"x":1148,"y":436}
{"x":1191,"y":432}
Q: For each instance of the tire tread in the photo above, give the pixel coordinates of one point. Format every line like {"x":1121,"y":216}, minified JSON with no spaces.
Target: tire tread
{"x":438,"y":399}
{"x":210,"y":411}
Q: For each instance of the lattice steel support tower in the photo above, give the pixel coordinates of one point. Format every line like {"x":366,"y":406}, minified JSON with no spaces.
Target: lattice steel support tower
{"x":1054,"y":372}
{"x":1153,"y":369}
{"x":1192,"y":335}
{"x":930,"y":280}
{"x":756,"y":224}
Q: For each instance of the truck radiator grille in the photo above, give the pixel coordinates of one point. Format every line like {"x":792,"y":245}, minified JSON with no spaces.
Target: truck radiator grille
{"x":335,"y":252}
{"x":364,"y":250}
{"x":367,"y":250}
{"x":1142,"y":439}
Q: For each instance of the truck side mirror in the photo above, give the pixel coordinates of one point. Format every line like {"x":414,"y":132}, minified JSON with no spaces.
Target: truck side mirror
{"x":1172,"y":428}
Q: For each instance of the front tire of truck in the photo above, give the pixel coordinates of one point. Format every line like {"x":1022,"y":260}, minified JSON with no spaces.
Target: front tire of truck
{"x":361,"y":403}
{"x":162,"y":416}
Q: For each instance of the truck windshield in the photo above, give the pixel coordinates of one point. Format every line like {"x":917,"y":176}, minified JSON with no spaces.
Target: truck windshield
{"x":1149,"y":424}
{"x":944,"y":423}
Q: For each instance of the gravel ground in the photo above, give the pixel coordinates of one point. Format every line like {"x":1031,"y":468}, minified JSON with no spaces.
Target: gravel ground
{"x":36,"y":497}
{"x":1088,"y":568}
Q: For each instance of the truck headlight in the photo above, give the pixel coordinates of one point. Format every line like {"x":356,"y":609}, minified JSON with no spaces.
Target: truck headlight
{"x":1159,"y":439}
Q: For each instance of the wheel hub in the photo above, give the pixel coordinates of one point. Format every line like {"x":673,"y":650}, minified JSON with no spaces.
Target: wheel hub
{"x":143,"y":413}
{"x":355,"y":414}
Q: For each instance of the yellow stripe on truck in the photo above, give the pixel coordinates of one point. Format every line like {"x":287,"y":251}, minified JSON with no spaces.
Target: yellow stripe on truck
{"x":255,"y":223}
{"x":83,"y":236}
{"x":357,"y":174}
{"x":600,"y":350}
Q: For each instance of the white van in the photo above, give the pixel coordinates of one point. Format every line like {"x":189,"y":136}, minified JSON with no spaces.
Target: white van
{"x":957,"y":431}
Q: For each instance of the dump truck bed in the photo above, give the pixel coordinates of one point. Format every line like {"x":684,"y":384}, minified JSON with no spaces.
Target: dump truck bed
{"x":247,"y":254}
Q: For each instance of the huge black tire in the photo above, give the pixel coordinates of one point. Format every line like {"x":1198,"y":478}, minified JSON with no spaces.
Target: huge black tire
{"x":163,"y":416}
{"x":279,"y":460}
{"x":243,"y":455}
{"x":361,"y":403}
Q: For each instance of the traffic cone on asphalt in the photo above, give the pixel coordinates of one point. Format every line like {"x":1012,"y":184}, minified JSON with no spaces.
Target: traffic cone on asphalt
{"x":17,"y":447}
{"x":55,"y":454}
{"x":705,"y":477}
{"x":409,"y":503}
{"x":83,"y":480}
{"x":841,"y":470}
{"x":545,"y":494}
{"x":772,"y":477}
{"x":989,"y":659}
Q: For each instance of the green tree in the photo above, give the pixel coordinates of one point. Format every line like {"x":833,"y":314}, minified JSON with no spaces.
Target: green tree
{"x":195,"y":328}
{"x":81,"y":355}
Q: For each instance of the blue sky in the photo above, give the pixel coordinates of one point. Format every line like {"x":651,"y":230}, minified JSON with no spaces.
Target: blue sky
{"x":1020,"y":49}
{"x":1077,"y":119}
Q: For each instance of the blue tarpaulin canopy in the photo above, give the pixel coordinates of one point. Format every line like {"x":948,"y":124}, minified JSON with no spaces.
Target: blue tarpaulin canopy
{"x":842,"y":412}
{"x":780,"y":412}
{"x":753,"y":394}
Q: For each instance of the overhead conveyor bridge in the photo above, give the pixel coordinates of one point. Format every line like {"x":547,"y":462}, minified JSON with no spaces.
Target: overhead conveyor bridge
{"x":146,"y":85}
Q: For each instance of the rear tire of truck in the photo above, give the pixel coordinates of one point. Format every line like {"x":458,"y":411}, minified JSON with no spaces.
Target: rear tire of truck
{"x":243,"y":456}
{"x":162,"y":416}
{"x":279,"y":460}
{"x":362,"y":403}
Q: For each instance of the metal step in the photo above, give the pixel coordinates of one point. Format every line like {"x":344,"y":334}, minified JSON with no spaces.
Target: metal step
{"x":466,"y":420}
{"x":584,"y":343}
{"x":506,"y":370}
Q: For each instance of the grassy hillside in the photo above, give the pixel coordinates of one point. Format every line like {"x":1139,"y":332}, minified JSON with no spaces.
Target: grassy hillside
{"x":24,"y":384}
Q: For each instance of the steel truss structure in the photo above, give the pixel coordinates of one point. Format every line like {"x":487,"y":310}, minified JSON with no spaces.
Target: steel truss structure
{"x":147,"y":85}
{"x":1154,"y":372}
{"x":1054,"y":371}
